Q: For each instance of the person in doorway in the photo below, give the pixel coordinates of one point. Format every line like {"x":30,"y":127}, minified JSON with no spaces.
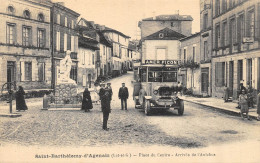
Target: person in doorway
{"x":86,"y":101}
{"x":241,"y":88}
{"x":123,"y":95}
{"x":20,"y":101}
{"x":106,"y":109}
{"x":226,"y":93}
{"x":258,"y":107}
{"x":243,"y":104}
{"x":101,"y":93}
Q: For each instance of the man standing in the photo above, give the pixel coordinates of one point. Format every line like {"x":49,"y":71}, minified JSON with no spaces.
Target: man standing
{"x":123,"y":95}
{"x":110,"y":91}
{"x":105,"y":104}
{"x":101,"y":93}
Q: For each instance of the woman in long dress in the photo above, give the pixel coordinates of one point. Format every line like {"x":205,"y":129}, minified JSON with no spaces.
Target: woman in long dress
{"x":86,"y":101}
{"x":20,"y":102}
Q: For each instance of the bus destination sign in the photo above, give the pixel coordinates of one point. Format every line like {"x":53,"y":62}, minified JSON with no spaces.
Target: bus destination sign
{"x":164,"y":62}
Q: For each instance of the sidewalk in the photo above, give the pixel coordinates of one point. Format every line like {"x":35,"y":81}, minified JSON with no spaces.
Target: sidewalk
{"x":219,"y":104}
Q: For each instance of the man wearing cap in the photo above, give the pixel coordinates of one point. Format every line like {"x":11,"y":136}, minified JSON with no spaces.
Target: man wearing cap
{"x":101,"y":93}
{"x":110,"y":90}
{"x":123,"y":95}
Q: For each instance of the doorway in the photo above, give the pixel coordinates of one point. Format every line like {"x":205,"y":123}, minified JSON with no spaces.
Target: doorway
{"x":204,"y":80}
{"x":89,"y":80}
{"x":231,"y":78}
{"x":10,"y":71}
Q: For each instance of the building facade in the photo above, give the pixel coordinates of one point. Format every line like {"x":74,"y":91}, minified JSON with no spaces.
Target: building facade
{"x":65,"y":37}
{"x":190,"y":67}
{"x":236,"y":46}
{"x":25,"y":56}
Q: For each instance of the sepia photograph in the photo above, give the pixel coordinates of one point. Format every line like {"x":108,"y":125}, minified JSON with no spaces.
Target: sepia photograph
{"x":142,"y":81}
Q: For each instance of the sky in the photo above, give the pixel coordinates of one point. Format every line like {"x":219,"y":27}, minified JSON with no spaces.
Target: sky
{"x":123,"y":15}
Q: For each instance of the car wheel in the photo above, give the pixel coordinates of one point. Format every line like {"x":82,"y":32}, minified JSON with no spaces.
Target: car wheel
{"x":147,"y":107}
{"x":181,"y":108}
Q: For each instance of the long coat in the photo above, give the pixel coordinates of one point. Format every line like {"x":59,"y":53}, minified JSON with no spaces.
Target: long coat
{"x":20,"y":102}
{"x":258,"y":103}
{"x":86,"y":101}
{"x":123,"y":93}
{"x":105,"y":101}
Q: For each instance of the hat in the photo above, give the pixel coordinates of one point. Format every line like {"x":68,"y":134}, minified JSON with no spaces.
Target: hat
{"x":102,"y":83}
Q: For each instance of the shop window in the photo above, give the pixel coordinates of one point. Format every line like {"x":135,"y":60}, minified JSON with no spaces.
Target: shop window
{"x":220,"y":74}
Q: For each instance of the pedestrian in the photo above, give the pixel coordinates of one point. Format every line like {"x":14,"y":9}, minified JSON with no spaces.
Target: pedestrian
{"x":243,"y":104}
{"x":258,"y":106}
{"x":110,"y":91}
{"x":20,"y":101}
{"x":241,"y":88}
{"x":106,"y":109}
{"x":226,"y":93}
{"x":250,"y":95}
{"x":86,"y":101}
{"x":101,"y":92}
{"x":123,"y":95}
{"x":179,"y":87}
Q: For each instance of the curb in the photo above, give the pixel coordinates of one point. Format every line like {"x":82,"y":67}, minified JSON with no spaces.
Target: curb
{"x":12,"y":115}
{"x":221,"y":109}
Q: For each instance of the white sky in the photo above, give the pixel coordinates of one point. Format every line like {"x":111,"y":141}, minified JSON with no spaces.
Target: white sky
{"x":123,"y":15}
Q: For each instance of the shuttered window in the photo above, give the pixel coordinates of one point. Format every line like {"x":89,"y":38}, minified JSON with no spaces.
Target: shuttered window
{"x":41,"y":71}
{"x":27,"y":36}
{"x":220,"y":74}
{"x":41,"y":38}
{"x":10,"y":33}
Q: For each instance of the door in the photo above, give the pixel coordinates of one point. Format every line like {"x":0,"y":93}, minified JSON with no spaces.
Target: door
{"x":231,"y":78}
{"x":89,"y":80}
{"x":204,"y":80}
{"x":10,"y":71}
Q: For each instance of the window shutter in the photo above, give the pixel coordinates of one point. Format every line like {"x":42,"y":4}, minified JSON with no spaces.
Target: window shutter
{"x":30,"y":36}
{"x":65,"y":41}
{"x":72,"y":43}
{"x":22,"y":72}
{"x":33,"y":70}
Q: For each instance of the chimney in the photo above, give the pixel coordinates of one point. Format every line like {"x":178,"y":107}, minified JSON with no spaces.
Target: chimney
{"x":154,"y":15}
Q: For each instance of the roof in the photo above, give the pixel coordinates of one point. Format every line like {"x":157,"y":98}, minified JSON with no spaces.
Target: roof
{"x":170,"y":18}
{"x":88,"y":43}
{"x":107,"y":29}
{"x":103,"y":39}
{"x":165,"y":34}
{"x":191,"y":36}
{"x":62,"y":7}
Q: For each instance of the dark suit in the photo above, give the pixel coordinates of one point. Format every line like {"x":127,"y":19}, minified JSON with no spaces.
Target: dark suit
{"x":105,"y":104}
{"x":123,"y":95}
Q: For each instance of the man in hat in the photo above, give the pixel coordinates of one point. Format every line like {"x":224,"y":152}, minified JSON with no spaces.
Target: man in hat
{"x":101,"y":93}
{"x":110,"y":91}
{"x":123,"y":95}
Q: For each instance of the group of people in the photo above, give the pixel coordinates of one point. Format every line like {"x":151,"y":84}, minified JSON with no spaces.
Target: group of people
{"x":105,"y":93}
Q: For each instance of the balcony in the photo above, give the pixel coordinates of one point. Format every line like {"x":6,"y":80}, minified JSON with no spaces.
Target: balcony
{"x":73,"y":55}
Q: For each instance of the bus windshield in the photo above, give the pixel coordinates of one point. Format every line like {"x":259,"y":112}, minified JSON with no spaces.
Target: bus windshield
{"x":162,"y":74}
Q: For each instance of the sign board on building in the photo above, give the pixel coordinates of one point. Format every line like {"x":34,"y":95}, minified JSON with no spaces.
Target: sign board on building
{"x":248,"y":40}
{"x":164,"y":62}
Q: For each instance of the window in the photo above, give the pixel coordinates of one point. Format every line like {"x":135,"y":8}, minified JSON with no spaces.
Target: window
{"x":69,"y":42}
{"x":205,"y":50}
{"x":240,"y":28}
{"x":193,"y":53}
{"x":184,"y":55}
{"x":27,"y":14}
{"x":72,"y":24}
{"x":217,"y":7}
{"x":66,"y":22}
{"x":27,"y":36}
{"x":104,"y":50}
{"x":41,"y":17}
{"x":73,"y":72}
{"x":224,"y":34}
{"x":232,"y":31}
{"x":160,"y":54}
{"x":217,"y":35}
{"x":41,"y":71}
{"x":58,"y":19}
{"x":10,"y":10}
{"x":26,"y":71}
{"x":65,"y":41}
{"x":251,"y":24}
{"x":58,"y":41}
{"x":205,"y":22}
{"x":249,"y":71}
{"x":72,"y":44}
{"x":93,"y":59}
{"x":220,"y":74}
{"x":41,"y":38}
{"x":10,"y":34}
{"x":224,"y":5}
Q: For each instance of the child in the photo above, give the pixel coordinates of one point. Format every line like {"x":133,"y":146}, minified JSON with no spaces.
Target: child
{"x":243,"y":104}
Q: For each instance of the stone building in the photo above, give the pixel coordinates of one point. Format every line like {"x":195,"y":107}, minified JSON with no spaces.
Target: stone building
{"x":190,"y":67}
{"x":65,"y":38}
{"x":179,"y":23}
{"x":206,"y":46}
{"x":25,"y":56}
{"x":236,"y":44}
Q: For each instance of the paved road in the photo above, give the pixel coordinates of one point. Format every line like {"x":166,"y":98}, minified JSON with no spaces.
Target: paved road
{"x":199,"y":127}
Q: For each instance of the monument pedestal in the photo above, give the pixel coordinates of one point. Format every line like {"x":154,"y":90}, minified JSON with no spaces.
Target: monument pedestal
{"x":66,"y":94}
